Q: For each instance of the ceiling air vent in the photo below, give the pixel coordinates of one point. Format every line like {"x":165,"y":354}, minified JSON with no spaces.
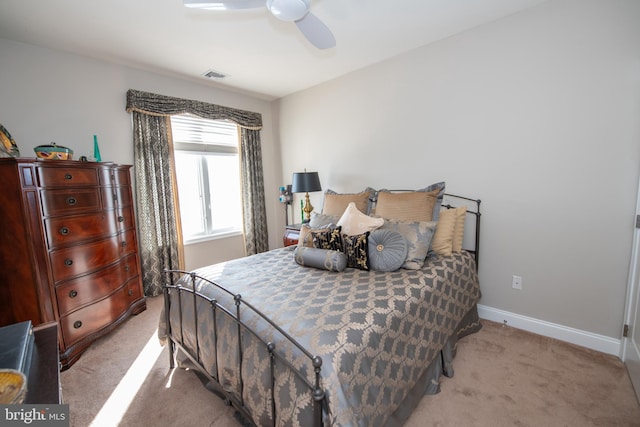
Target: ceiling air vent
{"x":213,"y":74}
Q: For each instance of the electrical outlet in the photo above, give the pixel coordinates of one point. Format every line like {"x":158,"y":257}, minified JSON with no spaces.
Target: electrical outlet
{"x":516,"y":282}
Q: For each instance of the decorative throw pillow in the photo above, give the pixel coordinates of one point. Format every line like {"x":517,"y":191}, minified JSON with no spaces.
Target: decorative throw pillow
{"x":355,"y":248}
{"x":327,"y":238}
{"x":439,"y":197}
{"x":320,"y":258}
{"x":323,"y":221}
{"x":387,"y":250}
{"x":443,"y":238}
{"x":410,"y":206}
{"x":305,"y":239}
{"x":458,"y":229}
{"x":418,"y":235}
{"x":355,"y":222}
{"x":336,"y":203}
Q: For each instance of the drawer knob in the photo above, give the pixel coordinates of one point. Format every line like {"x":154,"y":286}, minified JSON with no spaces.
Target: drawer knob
{"x":120,"y":219}
{"x":68,"y":176}
{"x":126,"y":268}
{"x":124,"y":244}
{"x":71,"y":201}
{"x":68,"y":262}
{"x":64,"y":231}
{"x":73,"y":293}
{"x":77,"y":324}
{"x":130,"y":292}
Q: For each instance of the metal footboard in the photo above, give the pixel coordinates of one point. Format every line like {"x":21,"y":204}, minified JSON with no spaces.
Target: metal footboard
{"x":234,"y":315}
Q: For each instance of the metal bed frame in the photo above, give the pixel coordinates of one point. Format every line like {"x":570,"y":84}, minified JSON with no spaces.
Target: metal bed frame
{"x":317,"y":393}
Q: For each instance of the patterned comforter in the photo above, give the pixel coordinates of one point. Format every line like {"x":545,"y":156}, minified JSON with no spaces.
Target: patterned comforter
{"x":375,"y":332}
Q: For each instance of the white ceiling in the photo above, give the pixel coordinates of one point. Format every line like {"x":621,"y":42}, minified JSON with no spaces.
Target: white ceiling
{"x":260,"y":54}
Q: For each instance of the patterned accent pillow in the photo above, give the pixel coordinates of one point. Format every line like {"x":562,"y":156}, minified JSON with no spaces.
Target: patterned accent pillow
{"x":418,"y":234}
{"x":327,"y":238}
{"x":354,"y":222}
{"x":306,"y":238}
{"x":387,"y":250}
{"x":336,"y":203}
{"x":355,"y":248}
{"x":320,"y":258}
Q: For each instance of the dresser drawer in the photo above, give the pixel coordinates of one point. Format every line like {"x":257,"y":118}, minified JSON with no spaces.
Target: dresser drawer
{"x":69,"y":262}
{"x":78,"y":292}
{"x":125,"y":219}
{"x":122,"y":177}
{"x":133,"y":290}
{"x":68,"y":202}
{"x":62,"y":231}
{"x":67,"y":177}
{"x":128,"y":243}
{"x":123,"y":195}
{"x":94,"y":317}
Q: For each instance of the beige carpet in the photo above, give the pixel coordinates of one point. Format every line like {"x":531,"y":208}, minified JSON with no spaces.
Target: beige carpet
{"x":503,"y":377}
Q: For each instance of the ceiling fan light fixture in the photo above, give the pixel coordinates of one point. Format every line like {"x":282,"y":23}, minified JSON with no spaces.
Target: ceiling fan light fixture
{"x":288,"y":10}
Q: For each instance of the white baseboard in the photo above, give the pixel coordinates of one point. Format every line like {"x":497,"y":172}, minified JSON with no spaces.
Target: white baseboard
{"x":564,"y":333}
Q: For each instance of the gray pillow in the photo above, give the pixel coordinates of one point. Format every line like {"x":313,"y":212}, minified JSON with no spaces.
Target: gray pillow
{"x":322,"y":221}
{"x":326,"y":259}
{"x":418,"y":234}
{"x":387,"y":250}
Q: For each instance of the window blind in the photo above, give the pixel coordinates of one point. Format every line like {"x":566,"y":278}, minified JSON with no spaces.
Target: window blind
{"x":192,"y":133}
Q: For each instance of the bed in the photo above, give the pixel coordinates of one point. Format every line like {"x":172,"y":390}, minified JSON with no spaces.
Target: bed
{"x":289,"y":341}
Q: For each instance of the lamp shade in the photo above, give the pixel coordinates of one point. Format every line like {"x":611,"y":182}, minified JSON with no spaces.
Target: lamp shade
{"x":305,"y":182}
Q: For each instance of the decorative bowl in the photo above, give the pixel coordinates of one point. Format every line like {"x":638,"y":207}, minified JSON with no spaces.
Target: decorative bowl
{"x":53,"y":152}
{"x":13,"y":387}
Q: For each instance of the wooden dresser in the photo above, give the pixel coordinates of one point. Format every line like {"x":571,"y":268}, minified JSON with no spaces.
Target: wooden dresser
{"x":68,"y":249}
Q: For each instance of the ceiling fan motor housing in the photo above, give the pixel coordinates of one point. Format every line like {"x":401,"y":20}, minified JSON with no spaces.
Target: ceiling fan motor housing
{"x":288,"y":10}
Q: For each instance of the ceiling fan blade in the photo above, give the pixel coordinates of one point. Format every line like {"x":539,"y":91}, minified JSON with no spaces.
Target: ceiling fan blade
{"x":316,"y":31}
{"x":223,"y":5}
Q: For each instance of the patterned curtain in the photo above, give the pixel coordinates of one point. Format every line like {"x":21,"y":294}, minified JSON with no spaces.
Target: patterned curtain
{"x":254,"y":211}
{"x":160,"y":236}
{"x":253,"y":199}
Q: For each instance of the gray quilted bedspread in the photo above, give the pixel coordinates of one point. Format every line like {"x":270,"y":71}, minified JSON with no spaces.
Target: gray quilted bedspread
{"x":375,"y":332}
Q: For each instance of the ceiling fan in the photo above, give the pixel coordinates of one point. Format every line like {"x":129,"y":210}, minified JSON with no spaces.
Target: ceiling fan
{"x":286,"y":10}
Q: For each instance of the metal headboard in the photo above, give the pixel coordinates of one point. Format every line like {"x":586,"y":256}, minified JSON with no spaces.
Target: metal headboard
{"x":473,"y":208}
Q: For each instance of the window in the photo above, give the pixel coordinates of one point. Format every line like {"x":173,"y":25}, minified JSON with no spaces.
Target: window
{"x":208,"y":176}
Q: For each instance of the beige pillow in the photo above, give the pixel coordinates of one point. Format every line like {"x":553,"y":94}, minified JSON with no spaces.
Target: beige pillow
{"x":305,"y":239}
{"x":458,"y":230}
{"x":442,"y":243}
{"x":406,"y":206}
{"x":354,"y":222}
{"x":336,"y":204}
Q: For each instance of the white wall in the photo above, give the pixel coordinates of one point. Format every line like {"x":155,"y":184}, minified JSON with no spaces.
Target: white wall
{"x":55,"y":96}
{"x":537,"y":114}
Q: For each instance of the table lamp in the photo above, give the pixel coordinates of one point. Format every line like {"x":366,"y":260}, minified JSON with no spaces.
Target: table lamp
{"x":305,"y":182}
